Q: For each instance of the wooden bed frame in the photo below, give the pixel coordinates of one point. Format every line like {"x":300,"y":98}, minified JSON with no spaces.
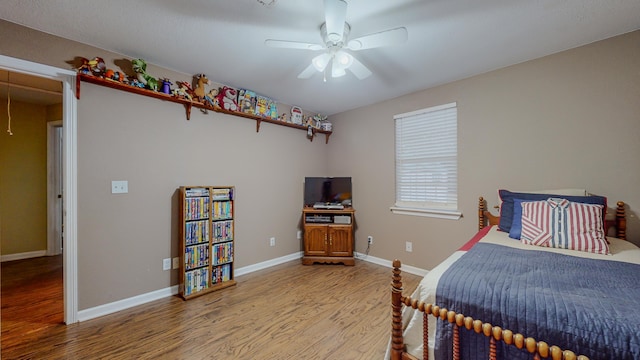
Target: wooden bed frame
{"x":539,"y":349}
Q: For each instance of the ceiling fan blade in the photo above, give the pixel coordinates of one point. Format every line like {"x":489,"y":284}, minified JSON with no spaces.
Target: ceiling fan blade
{"x":335,"y":15}
{"x":308,"y":72}
{"x":284,"y":44}
{"x":388,"y":37}
{"x":359,"y":70}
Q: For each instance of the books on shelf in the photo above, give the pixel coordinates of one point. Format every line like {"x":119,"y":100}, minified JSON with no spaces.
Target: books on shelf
{"x":222,"y":194}
{"x":196,"y":256}
{"x":191,"y":192}
{"x":222,"y":253}
{"x":207,"y":239}
{"x":221,"y":273}
{"x":222,"y":210}
{"x":196,"y":280}
{"x":223,"y":231}
{"x":196,"y":208}
{"x":196,"y":232}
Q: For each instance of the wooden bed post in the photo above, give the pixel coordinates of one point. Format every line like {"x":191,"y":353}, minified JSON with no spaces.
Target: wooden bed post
{"x":482,"y":207}
{"x":621,"y":221}
{"x":397,"y":341}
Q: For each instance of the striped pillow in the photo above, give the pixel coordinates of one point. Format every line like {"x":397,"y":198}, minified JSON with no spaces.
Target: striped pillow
{"x":560,"y":223}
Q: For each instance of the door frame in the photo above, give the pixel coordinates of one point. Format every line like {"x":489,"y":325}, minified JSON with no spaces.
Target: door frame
{"x":54,"y":175}
{"x":69,"y":169}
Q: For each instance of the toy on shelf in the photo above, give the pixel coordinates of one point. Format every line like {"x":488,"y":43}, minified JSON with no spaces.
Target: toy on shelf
{"x":262,"y":106}
{"x":227,"y":98}
{"x":296,"y":115}
{"x":95,"y":66}
{"x":114,"y":75}
{"x":282,"y":117}
{"x":183,"y":90}
{"x":166,"y":86}
{"x":140,"y":68}
{"x":318,"y":120}
{"x":273,"y":110}
{"x":199,"y":91}
{"x":310,"y":122}
{"x":246,"y":101}
{"x":211,"y":98}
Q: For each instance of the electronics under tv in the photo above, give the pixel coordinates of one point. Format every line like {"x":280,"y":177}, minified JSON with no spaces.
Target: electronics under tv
{"x":327,"y":192}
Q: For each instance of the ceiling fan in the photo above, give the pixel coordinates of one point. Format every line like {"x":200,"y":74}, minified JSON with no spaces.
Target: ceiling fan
{"x":335,"y":41}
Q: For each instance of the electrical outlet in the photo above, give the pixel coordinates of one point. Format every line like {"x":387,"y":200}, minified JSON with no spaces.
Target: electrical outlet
{"x":166,"y":264}
{"x":299,"y":235}
{"x":119,"y":187}
{"x":176,"y":262}
{"x":272,"y":241}
{"x":369,"y":239}
{"x":408,"y":246}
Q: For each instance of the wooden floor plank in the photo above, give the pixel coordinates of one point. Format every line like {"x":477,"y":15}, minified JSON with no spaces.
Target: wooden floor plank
{"x":289,"y":311}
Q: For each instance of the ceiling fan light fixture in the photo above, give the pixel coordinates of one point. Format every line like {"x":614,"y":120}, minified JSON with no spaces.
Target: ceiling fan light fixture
{"x":339,"y":72}
{"x":321,"y":61}
{"x":344,"y":59}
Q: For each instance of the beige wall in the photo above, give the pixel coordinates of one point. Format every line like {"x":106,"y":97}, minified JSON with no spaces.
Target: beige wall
{"x":567,"y":120}
{"x":123,"y":238}
{"x":585,"y":98}
{"x":23,"y":179}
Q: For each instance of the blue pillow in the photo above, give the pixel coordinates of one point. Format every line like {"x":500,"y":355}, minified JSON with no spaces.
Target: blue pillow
{"x":516,"y":225}
{"x":508,"y":197}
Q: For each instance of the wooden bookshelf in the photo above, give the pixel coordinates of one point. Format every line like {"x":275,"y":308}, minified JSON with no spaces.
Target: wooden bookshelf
{"x":206,"y":239}
{"x":188,"y":104}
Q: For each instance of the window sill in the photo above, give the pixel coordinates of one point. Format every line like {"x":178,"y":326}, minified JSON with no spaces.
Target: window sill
{"x":434,"y":213}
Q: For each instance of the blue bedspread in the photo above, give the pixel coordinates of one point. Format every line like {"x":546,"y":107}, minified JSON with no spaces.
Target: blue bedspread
{"x":591,"y":307}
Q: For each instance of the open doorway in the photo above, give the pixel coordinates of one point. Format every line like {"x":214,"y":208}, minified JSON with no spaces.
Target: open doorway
{"x":31,"y":183}
{"x":68,"y":212}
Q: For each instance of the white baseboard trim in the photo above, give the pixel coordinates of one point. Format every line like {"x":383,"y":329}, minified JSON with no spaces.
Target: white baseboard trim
{"x":24,"y":255}
{"x":387,"y":263}
{"x":123,"y":304}
{"x":266,"y":264}
{"x":106,"y":309}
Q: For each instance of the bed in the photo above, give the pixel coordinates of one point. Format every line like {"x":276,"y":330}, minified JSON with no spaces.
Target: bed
{"x":497,"y":296}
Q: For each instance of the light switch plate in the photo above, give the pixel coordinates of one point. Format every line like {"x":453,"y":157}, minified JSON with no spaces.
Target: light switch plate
{"x":166,"y":264}
{"x":119,"y":187}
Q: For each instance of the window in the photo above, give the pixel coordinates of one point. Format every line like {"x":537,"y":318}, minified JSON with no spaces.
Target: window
{"x":427,"y":162}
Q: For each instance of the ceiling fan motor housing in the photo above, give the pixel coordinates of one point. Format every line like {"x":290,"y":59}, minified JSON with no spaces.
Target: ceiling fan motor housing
{"x":332,"y":41}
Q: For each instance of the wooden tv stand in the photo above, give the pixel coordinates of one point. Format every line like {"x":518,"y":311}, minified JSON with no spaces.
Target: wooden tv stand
{"x":328,"y":236}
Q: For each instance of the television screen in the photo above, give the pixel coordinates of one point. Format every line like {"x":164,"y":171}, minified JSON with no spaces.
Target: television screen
{"x":327,"y":190}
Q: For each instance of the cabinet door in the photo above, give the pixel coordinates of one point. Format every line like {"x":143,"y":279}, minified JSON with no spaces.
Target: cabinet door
{"x":315,"y":240}
{"x":340,"y":240}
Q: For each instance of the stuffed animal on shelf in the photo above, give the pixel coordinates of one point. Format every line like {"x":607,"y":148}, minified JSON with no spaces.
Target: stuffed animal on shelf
{"x":283,"y":117}
{"x":140,"y":68}
{"x":227,"y":98}
{"x":199,"y":91}
{"x":183,"y":91}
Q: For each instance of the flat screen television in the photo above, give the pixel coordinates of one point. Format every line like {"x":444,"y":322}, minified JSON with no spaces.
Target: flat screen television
{"x":328,"y":191}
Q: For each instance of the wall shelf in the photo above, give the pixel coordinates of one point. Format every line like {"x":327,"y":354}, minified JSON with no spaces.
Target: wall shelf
{"x":189,"y":104}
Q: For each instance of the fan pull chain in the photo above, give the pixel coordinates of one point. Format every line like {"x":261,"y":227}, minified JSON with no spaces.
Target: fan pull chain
{"x":9,"y":106}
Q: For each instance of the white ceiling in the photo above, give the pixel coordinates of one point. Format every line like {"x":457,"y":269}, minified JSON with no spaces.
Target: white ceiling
{"x":448,"y":39}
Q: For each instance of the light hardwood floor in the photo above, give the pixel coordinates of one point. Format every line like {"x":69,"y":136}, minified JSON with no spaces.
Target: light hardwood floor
{"x":289,"y":311}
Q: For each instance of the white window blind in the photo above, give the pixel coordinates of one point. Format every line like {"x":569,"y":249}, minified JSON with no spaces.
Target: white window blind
{"x":427,"y":161}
